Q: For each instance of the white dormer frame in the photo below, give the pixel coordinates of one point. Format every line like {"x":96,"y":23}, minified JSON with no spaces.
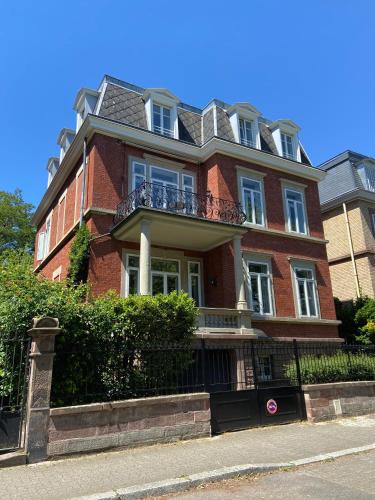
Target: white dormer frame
{"x":52,"y":167}
{"x":290,"y":128}
{"x":84,"y":104}
{"x":247,"y":112}
{"x":64,"y":140}
{"x":161,"y":97}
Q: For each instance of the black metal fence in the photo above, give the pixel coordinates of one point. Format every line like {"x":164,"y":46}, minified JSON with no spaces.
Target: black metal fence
{"x":145,"y":371}
{"x":179,"y":201}
{"x":13,"y":385}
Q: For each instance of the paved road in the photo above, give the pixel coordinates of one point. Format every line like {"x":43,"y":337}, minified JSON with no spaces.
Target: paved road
{"x":347,"y":478}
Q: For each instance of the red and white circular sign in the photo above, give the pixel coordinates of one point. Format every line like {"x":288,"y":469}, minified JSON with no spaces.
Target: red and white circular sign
{"x":271,"y":406}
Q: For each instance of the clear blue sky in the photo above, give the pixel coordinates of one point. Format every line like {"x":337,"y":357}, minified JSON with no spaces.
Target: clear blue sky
{"x":311,"y":61}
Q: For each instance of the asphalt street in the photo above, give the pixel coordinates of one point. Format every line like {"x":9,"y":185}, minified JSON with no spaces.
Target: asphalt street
{"x":346,"y":478}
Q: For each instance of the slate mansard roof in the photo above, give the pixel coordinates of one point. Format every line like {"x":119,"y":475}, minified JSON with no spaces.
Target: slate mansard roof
{"x":124,"y":103}
{"x":342,"y":178}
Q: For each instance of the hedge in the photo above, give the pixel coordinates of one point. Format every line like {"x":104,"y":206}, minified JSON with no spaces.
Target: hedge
{"x":339,"y":367}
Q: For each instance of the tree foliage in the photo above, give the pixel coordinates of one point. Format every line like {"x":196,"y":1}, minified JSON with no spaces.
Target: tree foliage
{"x":16,"y":230}
{"x":365,"y":321}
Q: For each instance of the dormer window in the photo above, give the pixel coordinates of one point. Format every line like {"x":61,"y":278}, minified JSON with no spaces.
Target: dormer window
{"x":84,"y":104}
{"x":366,"y":172}
{"x":287,"y":146}
{"x":52,"y":167}
{"x":161,"y":112}
{"x":65,"y":139}
{"x":244,"y":121}
{"x":285,"y":136}
{"x":162,"y":120}
{"x":247,"y":137}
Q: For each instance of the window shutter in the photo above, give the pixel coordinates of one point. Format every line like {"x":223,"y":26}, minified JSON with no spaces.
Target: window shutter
{"x":41,"y":241}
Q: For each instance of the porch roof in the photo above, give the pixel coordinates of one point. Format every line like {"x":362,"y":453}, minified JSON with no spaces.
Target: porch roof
{"x":177,"y":230}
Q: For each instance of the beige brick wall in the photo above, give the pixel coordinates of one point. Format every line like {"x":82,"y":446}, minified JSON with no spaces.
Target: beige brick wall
{"x":362,"y":230}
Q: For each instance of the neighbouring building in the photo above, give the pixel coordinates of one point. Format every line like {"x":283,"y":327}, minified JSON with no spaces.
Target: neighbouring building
{"x":219,"y":202}
{"x":347,"y":198}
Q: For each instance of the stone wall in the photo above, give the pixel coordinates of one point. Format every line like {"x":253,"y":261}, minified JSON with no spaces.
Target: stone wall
{"x":128,"y":423}
{"x":340,"y":399}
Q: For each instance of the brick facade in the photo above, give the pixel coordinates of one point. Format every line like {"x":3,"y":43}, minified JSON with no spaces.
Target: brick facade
{"x":107,"y":184}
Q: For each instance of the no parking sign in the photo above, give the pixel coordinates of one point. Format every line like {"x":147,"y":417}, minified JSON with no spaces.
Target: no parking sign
{"x":271,"y":406}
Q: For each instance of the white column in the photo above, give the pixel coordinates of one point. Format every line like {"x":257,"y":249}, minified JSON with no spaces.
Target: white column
{"x":239,"y":274}
{"x":145,"y":258}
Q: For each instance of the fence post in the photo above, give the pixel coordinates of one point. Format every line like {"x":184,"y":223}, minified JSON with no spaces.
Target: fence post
{"x":296,"y":357}
{"x":43,"y":334}
{"x":204,"y":370}
{"x":254,"y":363}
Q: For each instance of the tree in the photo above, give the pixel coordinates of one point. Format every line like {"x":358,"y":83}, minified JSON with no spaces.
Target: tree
{"x":16,"y":230}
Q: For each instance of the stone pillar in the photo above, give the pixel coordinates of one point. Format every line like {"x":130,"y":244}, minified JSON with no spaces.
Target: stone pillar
{"x":42,"y":353}
{"x":145,"y":258}
{"x":239,"y":274}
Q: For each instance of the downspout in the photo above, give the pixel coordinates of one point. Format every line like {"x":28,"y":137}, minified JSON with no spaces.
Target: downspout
{"x":83,"y":183}
{"x":350,"y":240}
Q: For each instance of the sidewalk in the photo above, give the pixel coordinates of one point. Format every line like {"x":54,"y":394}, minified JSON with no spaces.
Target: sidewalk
{"x":94,"y":474}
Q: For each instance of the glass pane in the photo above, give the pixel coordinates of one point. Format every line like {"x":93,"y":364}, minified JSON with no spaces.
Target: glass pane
{"x":164,"y":265}
{"x":188,"y":181}
{"x":157,"y":284}
{"x":265,"y":295}
{"x":138,"y":181}
{"x":293,"y":195}
{"x":194,"y":267}
{"x":157,"y":117}
{"x":133,"y":261}
{"x":172,"y":283}
{"x":258,"y":208}
{"x":248,"y":205}
{"x":302,"y":297}
{"x":250,"y":184}
{"x":242,"y":131}
{"x":258,"y":268}
{"x":255,"y":304}
{"x":194,"y":286}
{"x":138,"y":168}
{"x":166,"y":119}
{"x":301,"y":218}
{"x":292,"y":216}
{"x":311,"y":298}
{"x":249,"y":132}
{"x":133,"y":281}
{"x":304,"y":273}
{"x":161,"y":175}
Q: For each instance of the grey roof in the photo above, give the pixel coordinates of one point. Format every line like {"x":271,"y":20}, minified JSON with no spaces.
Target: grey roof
{"x":342,"y":176}
{"x":124,"y":103}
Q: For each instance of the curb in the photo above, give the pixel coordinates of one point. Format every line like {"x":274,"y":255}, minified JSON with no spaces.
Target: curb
{"x":182,"y":484}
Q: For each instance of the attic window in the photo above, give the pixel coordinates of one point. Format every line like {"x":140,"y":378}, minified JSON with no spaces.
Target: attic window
{"x":287,"y":146}
{"x":367,"y":174}
{"x":162,"y":120}
{"x":247,"y":136}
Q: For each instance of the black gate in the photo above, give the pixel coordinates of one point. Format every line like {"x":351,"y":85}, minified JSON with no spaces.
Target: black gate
{"x":13,"y":378}
{"x":254,"y":384}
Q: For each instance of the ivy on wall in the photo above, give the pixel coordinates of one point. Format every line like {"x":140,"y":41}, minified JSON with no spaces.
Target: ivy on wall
{"x":79,"y":256}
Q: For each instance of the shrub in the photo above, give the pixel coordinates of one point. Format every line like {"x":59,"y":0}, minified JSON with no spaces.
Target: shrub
{"x":339,"y":367}
{"x":104,"y":345}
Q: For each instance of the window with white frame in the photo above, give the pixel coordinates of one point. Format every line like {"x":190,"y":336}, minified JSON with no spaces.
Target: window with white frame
{"x":161,"y":120}
{"x":170,"y":189}
{"x":132,"y":275}
{"x":288,"y":146}
{"x":295,"y":211}
{"x":252,"y":200}
{"x":366,"y":173}
{"x":194,"y":276}
{"x":264,"y":368}
{"x":44,"y":240}
{"x":260,"y":288}
{"x":247,"y":135}
{"x":165,"y":276}
{"x":61,"y":218}
{"x":306,"y":290}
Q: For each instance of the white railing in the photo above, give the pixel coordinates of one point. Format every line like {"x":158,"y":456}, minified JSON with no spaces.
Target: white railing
{"x":222,"y":320}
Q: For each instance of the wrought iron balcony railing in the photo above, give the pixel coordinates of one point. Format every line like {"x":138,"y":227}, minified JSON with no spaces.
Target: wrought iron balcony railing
{"x":178,"y":201}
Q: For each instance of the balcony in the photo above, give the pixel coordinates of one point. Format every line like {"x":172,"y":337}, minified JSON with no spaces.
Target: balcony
{"x":176,"y":201}
{"x":225,"y":323}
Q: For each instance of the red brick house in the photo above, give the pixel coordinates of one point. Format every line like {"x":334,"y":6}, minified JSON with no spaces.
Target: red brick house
{"x":219,"y":202}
